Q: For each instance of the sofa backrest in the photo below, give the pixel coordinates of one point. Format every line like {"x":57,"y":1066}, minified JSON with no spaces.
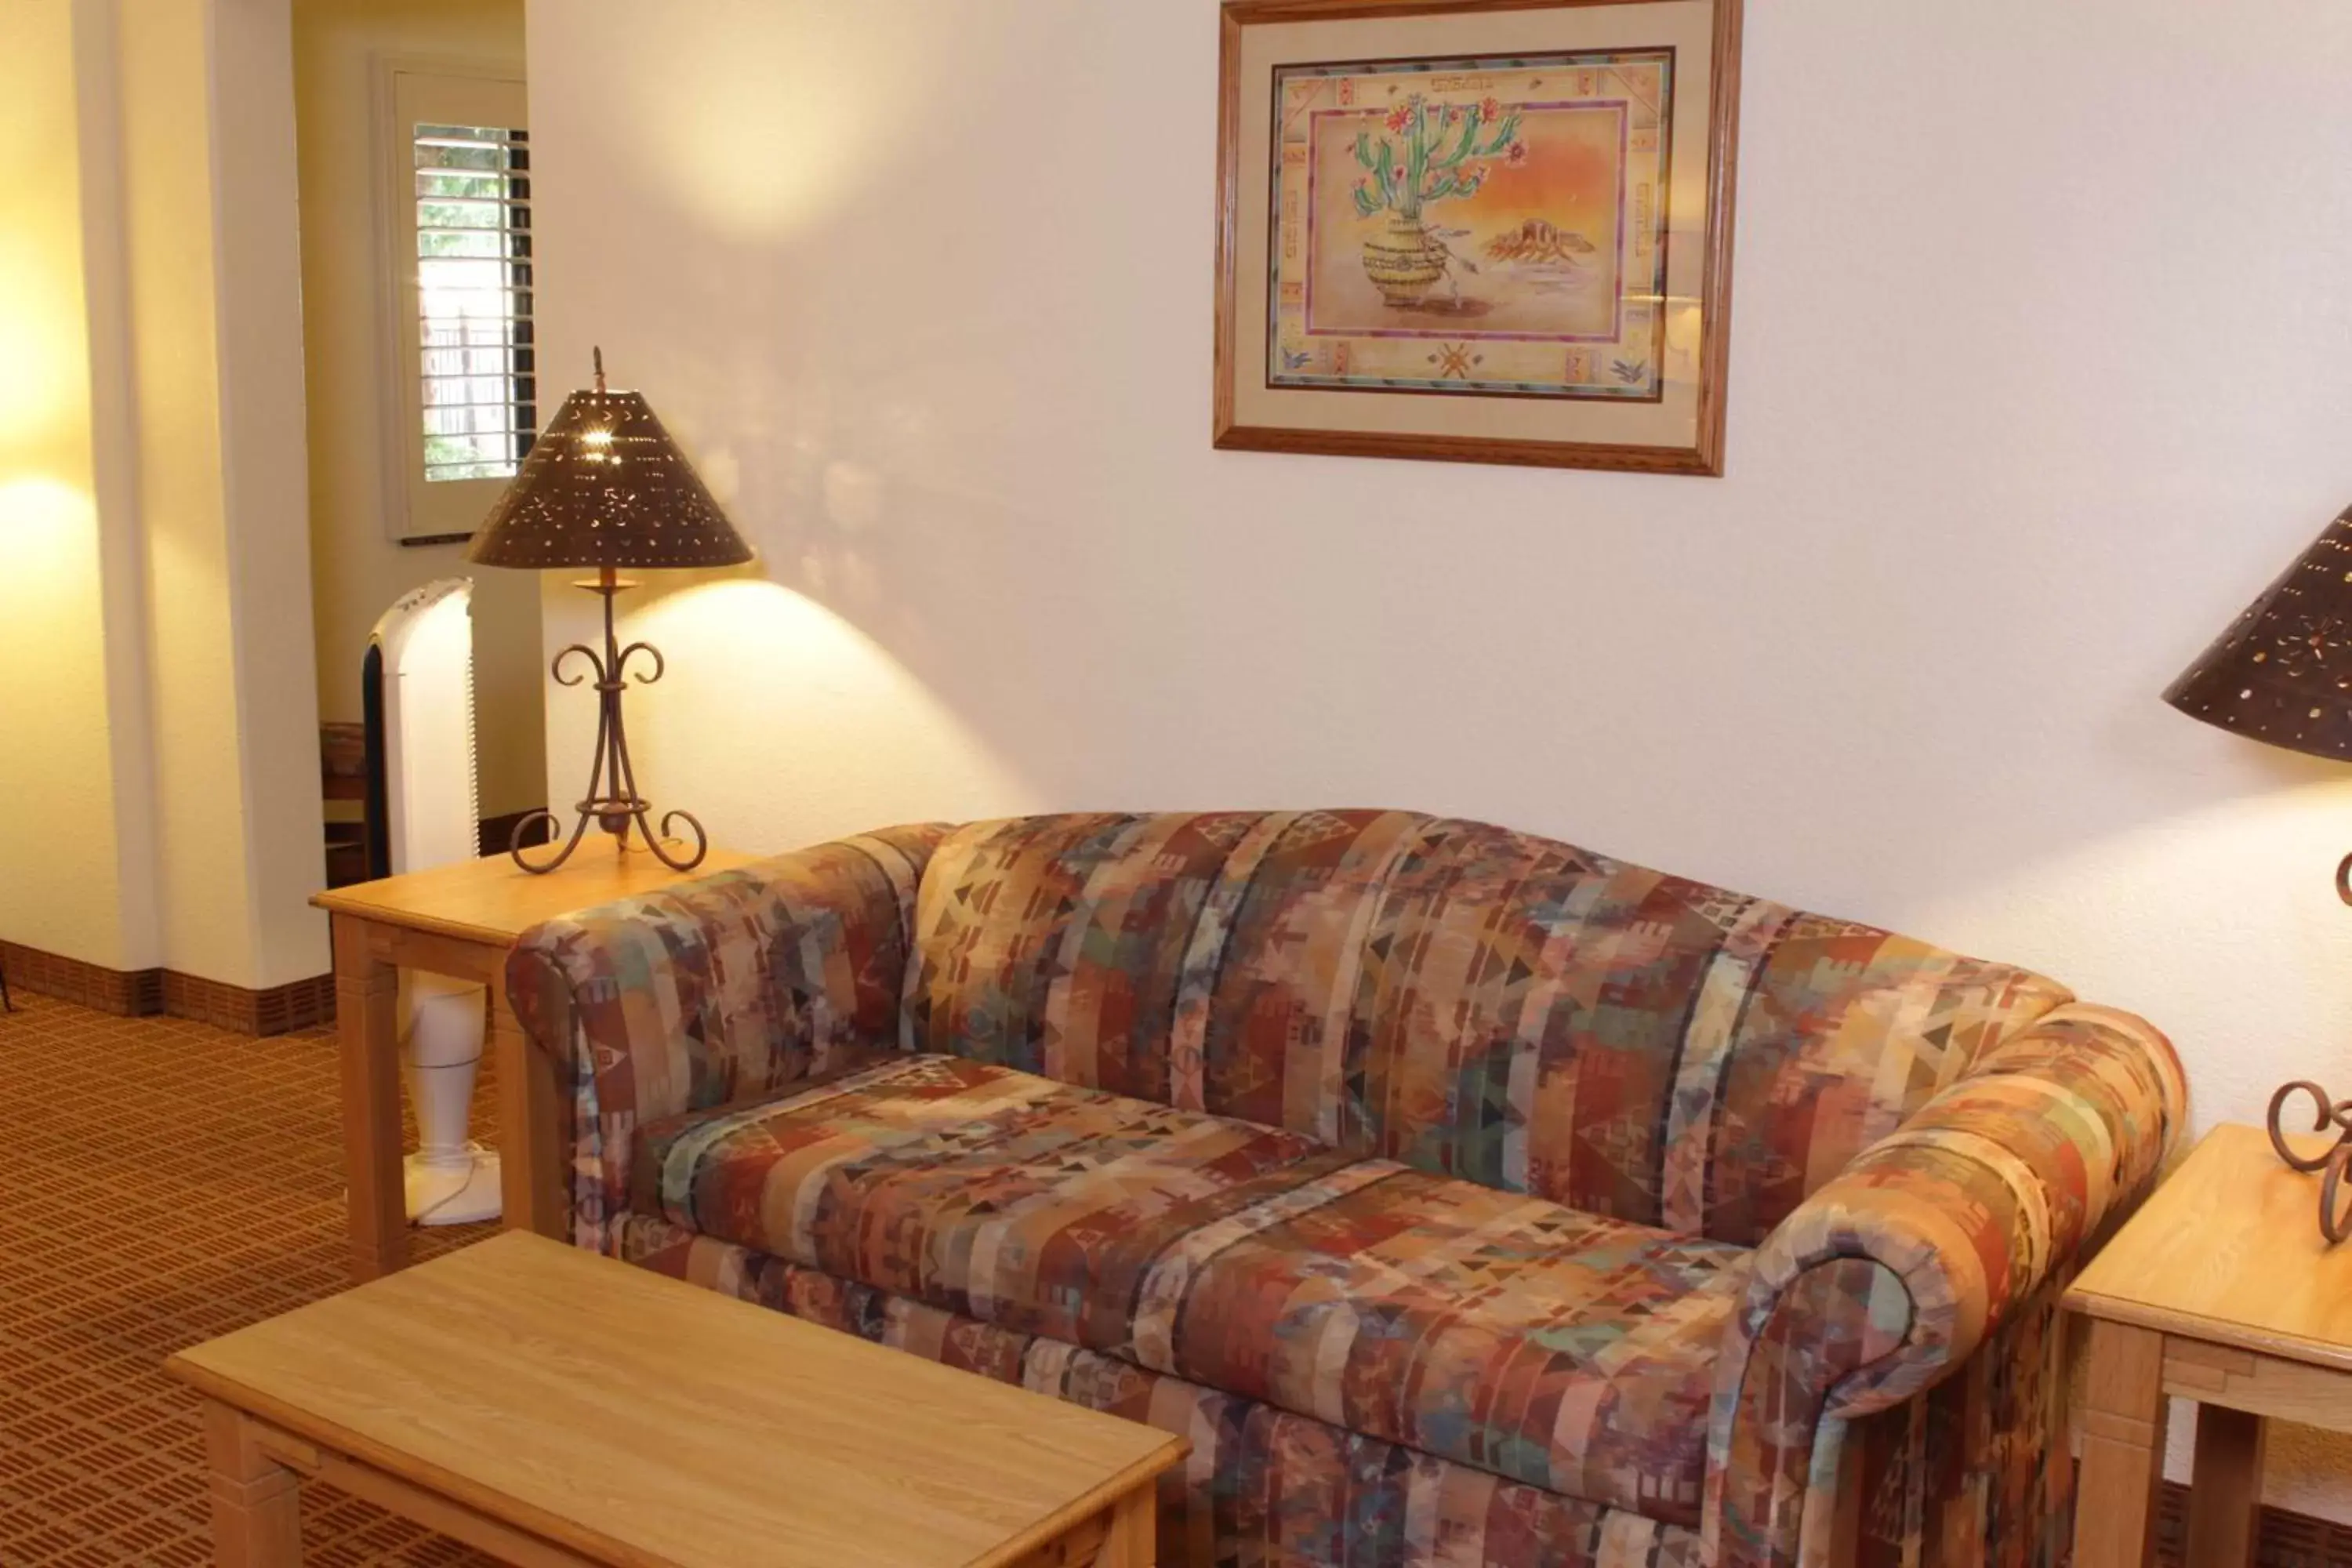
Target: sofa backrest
{"x":1459,"y":997}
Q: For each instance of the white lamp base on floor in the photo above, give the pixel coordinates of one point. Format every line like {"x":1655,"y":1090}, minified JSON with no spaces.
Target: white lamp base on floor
{"x":450,"y":1179}
{"x":451,"y":1190}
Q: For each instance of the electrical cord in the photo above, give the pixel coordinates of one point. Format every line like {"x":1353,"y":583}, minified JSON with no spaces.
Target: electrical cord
{"x":475,"y":1151}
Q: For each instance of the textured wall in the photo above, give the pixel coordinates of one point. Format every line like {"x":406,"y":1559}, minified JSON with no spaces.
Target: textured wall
{"x":2037,"y":377}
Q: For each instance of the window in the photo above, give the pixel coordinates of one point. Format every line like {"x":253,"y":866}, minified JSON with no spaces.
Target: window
{"x":477,"y":377}
{"x":460,"y":385}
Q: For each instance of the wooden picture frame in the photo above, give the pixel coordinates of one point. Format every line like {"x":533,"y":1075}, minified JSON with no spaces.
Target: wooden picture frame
{"x":1351,"y":322}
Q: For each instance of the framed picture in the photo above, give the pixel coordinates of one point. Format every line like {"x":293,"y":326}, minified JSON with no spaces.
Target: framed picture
{"x":1489,"y":231}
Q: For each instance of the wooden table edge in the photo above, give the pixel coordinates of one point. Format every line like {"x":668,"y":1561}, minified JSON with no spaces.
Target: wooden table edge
{"x":2223,"y":1332}
{"x":352,"y":902}
{"x":488,"y":1501}
{"x":1106,"y":1495}
{"x":406,"y":920}
{"x":506,"y":1509}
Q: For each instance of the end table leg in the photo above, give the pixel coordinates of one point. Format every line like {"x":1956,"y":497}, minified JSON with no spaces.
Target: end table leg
{"x":531,"y":1148}
{"x":367,"y":1025}
{"x":2123,"y":1448}
{"x":257,"y":1507}
{"x":1134,"y":1537}
{"x":2225,"y":1502}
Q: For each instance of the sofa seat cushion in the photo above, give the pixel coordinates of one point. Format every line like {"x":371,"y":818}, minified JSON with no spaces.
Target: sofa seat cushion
{"x":1264,"y":1487}
{"x":1506,"y":1332}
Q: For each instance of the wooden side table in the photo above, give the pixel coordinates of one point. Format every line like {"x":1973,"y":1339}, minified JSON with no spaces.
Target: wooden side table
{"x":2220,"y":1289}
{"x":458,"y":921}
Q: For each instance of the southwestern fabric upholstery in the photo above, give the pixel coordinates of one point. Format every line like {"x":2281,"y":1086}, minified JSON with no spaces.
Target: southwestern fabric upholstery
{"x":1262,"y":1486}
{"x":1465,"y":999}
{"x":718,"y":991}
{"x":1464,"y":1196}
{"x":1546,"y":1345}
{"x":1893,"y":1276}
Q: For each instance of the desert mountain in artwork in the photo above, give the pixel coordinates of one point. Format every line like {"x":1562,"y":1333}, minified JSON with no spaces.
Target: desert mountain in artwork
{"x":1538,"y":241}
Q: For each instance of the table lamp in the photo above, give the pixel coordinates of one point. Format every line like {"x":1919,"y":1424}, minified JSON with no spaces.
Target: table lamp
{"x":604,"y":486}
{"x":2283,"y":673}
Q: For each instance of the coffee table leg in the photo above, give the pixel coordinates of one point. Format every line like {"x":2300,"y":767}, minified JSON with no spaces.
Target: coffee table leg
{"x":1133,"y":1540}
{"x":2123,"y":1446}
{"x":257,"y":1507}
{"x":2224,"y":1502}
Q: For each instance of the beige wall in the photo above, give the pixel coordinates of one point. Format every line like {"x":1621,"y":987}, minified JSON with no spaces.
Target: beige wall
{"x":161,"y":721}
{"x":2037,"y":378}
{"x":357,"y":570}
{"x":61,"y":865}
{"x":208,"y":178}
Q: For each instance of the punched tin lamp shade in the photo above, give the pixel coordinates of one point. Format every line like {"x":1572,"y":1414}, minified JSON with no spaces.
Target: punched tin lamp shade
{"x":2283,"y":672}
{"x":604,"y":485}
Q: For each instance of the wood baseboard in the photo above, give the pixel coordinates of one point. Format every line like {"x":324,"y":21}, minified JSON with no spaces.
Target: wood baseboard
{"x":274,"y":1010}
{"x":145,"y":992}
{"x":126,"y":993}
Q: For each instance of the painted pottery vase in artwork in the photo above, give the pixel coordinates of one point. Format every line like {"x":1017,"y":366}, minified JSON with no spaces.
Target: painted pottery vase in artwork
{"x":1402,"y":261}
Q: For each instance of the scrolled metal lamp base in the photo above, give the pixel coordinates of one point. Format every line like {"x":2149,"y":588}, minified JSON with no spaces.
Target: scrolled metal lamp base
{"x":2334,"y":1223}
{"x":612,"y":802}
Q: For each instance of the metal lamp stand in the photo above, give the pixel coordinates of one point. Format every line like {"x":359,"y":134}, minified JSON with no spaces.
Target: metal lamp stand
{"x":612,"y":802}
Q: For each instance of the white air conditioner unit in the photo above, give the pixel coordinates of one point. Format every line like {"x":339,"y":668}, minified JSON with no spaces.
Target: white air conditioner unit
{"x":425,"y":810}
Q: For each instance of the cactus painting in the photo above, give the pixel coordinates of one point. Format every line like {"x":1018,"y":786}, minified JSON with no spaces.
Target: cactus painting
{"x":1515,"y":203}
{"x":1488,"y":232}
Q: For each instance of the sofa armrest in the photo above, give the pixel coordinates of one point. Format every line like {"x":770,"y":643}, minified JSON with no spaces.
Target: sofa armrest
{"x":1888,"y":1277}
{"x":730,"y":987}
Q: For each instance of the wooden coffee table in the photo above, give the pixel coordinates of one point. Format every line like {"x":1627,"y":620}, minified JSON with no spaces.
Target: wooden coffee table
{"x":2220,"y":1289}
{"x":547,"y":1406}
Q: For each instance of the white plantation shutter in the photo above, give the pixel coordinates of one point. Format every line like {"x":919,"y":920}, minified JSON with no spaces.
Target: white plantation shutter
{"x":476,"y":374}
{"x":462,"y":398}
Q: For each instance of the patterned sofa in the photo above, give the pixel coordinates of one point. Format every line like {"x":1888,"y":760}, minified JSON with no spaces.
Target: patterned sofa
{"x":1464,"y":1198}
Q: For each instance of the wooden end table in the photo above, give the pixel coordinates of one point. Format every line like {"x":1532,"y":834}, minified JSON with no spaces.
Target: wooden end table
{"x":550,"y":1406}
{"x":2220,"y":1289}
{"x":459,"y":921}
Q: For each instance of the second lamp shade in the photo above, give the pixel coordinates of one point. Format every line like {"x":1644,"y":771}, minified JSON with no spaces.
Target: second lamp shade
{"x":2283,"y":672}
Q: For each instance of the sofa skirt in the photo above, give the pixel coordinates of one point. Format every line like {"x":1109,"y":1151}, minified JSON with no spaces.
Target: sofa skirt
{"x":1264,"y":1488}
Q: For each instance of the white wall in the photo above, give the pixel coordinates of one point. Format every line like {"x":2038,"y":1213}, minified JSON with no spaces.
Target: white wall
{"x":2038,"y":376}
{"x":356,"y":569}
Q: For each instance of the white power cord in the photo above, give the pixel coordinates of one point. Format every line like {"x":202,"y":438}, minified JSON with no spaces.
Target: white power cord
{"x":424,"y":1216}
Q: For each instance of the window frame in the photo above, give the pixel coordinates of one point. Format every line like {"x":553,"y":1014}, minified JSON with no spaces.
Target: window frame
{"x":411,"y":89}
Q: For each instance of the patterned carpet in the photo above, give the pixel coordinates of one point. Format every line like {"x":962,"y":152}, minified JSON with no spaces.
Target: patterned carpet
{"x":161,"y":1183}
